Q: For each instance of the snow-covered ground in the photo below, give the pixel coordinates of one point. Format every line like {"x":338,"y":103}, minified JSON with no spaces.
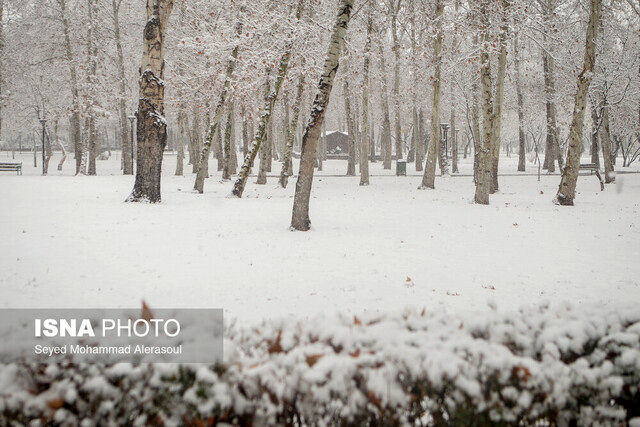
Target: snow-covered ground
{"x":71,"y":242}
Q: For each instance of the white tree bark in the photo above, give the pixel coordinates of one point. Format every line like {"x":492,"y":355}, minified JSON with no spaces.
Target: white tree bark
{"x":151,"y":125}
{"x":300,"y":216}
{"x":213,"y":126}
{"x":567,"y":188}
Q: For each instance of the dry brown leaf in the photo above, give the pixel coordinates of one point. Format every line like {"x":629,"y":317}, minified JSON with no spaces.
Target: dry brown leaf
{"x":312,"y":359}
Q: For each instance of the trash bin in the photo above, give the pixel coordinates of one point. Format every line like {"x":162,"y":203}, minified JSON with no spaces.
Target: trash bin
{"x":401,"y":167}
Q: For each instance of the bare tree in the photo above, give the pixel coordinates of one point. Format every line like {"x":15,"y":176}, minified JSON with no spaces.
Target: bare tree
{"x":300,"y":216}
{"x":519,"y":96}
{"x":365,"y":141}
{"x":291,"y":133}
{"x":125,"y":142}
{"x":151,"y":126}
{"x":429,"y":177}
{"x":213,"y":126}
{"x":567,"y":188}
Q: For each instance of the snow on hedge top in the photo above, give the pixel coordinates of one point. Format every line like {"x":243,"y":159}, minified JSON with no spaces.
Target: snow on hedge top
{"x":540,"y":363}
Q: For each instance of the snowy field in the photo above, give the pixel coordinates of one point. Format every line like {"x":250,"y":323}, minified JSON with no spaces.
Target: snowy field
{"x":71,"y":242}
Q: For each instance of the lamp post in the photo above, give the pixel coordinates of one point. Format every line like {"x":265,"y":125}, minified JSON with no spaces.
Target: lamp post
{"x":132,"y":119}
{"x":43,"y":121}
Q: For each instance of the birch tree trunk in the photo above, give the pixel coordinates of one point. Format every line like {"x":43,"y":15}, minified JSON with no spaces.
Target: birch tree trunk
{"x":483,"y":182}
{"x":60,"y":144}
{"x":213,"y":125}
{"x":519,"y":96}
{"x":300,"y":215}
{"x":265,"y":117}
{"x":261,"y":134}
{"x":351,"y":137}
{"x":125,"y":142}
{"x":429,"y":177}
{"x":151,"y":126}
{"x":365,"y":142}
{"x":567,"y":188}
{"x":291,"y":134}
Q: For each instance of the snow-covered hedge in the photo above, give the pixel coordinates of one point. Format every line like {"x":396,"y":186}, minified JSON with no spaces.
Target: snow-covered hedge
{"x":557,"y":364}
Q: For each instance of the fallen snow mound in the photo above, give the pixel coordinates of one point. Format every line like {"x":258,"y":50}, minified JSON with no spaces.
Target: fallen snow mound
{"x":554,"y":364}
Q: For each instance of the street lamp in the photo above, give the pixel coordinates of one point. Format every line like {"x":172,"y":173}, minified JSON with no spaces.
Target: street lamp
{"x":43,"y":121}
{"x":131,"y":118}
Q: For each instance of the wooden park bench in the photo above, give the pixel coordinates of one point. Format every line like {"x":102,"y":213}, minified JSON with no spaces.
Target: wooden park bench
{"x":593,"y":168}
{"x":10,"y":166}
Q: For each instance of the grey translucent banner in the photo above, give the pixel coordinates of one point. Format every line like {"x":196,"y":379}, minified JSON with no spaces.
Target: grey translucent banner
{"x":111,"y":335}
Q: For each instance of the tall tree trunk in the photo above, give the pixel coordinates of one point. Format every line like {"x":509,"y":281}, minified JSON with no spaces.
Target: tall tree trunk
{"x":567,"y":188}
{"x":245,"y":132}
{"x":429,"y":177}
{"x":483,"y":182}
{"x":595,"y":124}
{"x":213,"y":125}
{"x":180,"y":141}
{"x":605,"y":139}
{"x":475,"y":123}
{"x":519,"y":96}
{"x":265,"y":117}
{"x":91,"y":145}
{"x":454,"y":134}
{"x":228,"y":169}
{"x":454,"y":142}
{"x":183,"y":122}
{"x":291,"y":133}
{"x":552,"y":151}
{"x":300,"y":215}
{"x":268,"y":137}
{"x":151,"y":125}
{"x":1,"y":62}
{"x":396,"y":79}
{"x":351,"y":136}
{"x":365,"y":142}
{"x":125,"y":143}
{"x":420,"y":146}
{"x":385,"y":141}
{"x":74,"y":121}
{"x":498,"y":100}
{"x":271,"y":94}
{"x":60,"y":144}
